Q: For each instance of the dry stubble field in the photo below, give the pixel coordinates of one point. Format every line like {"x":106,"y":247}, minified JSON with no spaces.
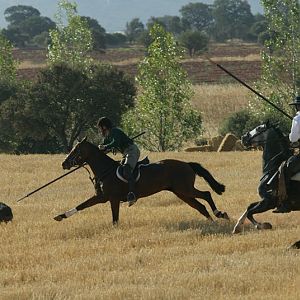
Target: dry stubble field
{"x":162,"y":249}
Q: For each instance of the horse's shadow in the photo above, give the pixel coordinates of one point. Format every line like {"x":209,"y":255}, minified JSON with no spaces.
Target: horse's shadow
{"x":204,"y":227}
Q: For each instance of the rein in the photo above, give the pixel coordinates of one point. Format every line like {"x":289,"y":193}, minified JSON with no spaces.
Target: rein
{"x":92,"y":179}
{"x":100,"y":178}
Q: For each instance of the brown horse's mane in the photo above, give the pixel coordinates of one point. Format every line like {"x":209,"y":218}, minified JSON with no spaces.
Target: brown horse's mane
{"x":100,"y":153}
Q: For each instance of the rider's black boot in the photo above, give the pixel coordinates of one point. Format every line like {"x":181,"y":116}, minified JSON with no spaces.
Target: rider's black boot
{"x":131,"y":198}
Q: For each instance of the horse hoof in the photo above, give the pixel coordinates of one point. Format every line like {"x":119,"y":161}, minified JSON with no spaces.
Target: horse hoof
{"x":58,"y":218}
{"x":266,"y":226}
{"x":263,"y":226}
{"x":225,"y":216}
{"x":295,"y":246}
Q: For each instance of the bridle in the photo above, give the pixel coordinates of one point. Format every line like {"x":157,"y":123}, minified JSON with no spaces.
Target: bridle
{"x":76,"y":156}
{"x":257,"y":134}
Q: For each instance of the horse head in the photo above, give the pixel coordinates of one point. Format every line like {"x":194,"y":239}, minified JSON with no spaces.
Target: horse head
{"x":275,"y":145}
{"x":257,"y":136}
{"x":80,"y":154}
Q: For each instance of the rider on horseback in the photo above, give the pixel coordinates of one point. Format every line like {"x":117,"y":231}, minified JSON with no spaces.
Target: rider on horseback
{"x":116,"y":140}
{"x":293,"y":163}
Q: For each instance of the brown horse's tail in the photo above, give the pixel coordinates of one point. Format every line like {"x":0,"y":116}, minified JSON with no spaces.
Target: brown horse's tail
{"x":215,"y":185}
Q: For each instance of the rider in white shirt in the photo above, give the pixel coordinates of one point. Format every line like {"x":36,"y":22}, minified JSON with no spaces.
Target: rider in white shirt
{"x":293,"y":163}
{"x":295,"y":130}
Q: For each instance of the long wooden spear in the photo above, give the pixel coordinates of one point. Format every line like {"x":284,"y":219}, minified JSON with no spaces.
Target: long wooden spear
{"x":250,"y":88}
{"x":60,"y":177}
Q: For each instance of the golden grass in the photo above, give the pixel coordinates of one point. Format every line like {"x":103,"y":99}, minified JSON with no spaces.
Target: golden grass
{"x":162,"y":248}
{"x":216,"y":102}
{"x":250,"y":57}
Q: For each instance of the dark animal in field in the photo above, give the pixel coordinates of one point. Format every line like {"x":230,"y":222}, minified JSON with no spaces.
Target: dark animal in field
{"x":6,"y":214}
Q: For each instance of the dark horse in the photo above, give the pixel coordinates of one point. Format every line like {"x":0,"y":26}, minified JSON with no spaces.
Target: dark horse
{"x":276,"y":149}
{"x":171,"y":175}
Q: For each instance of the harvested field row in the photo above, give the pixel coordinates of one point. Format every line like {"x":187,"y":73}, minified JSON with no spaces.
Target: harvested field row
{"x":123,"y":54}
{"x":199,"y":72}
{"x":241,"y":59}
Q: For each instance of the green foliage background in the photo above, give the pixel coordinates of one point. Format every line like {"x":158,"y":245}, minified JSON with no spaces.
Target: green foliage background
{"x":163,"y":106}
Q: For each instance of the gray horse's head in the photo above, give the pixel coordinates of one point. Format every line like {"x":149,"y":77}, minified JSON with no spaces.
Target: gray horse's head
{"x":257,"y":136}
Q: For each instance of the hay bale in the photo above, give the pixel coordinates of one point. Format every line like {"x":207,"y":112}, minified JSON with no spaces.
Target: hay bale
{"x":215,"y":142}
{"x":238,"y":146}
{"x":228,"y":142}
{"x":205,"y":148}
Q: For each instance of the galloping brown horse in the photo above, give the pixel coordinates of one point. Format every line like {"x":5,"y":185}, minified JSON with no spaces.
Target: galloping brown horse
{"x":171,"y":175}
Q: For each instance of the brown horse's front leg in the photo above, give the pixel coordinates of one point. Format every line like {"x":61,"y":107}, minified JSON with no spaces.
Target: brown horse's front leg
{"x":88,"y":203}
{"x":115,"y":208}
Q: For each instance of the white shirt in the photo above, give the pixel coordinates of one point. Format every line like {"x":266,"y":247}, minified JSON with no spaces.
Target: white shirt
{"x":295,"y":129}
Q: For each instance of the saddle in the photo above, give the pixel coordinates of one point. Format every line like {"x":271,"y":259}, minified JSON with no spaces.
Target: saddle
{"x":136,"y":172}
{"x":281,"y":190}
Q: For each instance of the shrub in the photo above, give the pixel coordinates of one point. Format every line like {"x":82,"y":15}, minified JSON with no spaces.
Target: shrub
{"x":238,"y":123}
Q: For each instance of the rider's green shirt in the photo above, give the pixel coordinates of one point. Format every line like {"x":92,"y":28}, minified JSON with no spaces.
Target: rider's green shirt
{"x":117,"y":140}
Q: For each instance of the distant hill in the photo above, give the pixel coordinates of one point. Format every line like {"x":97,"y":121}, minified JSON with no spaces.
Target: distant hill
{"x":113,"y":14}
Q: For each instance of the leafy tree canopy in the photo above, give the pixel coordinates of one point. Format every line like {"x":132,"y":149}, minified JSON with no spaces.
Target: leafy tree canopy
{"x":198,"y":15}
{"x":134,"y":29}
{"x":8,"y":66}
{"x":72,"y":40}
{"x":163,"y":107}
{"x":232,"y":19}
{"x":61,"y":105}
{"x":194,"y":41}
{"x":17,"y":14}
{"x":280,"y":60}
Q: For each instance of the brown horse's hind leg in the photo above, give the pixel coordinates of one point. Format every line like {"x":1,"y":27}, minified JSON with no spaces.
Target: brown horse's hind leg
{"x":207,"y":197}
{"x":195,"y":204}
{"x":88,"y":203}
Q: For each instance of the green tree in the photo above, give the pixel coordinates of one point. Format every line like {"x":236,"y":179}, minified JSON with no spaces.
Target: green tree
{"x":134,"y":29}
{"x":36,"y":25}
{"x":280,"y":80}
{"x":115,"y":39}
{"x":233,"y":19}
{"x":17,"y":14}
{"x":8,"y":66}
{"x":198,"y":15}
{"x":70,"y":43}
{"x":163,"y":106}
{"x":25,"y":22}
{"x":98,"y":33}
{"x":194,"y":41}
{"x":171,"y":24}
{"x":48,"y":115}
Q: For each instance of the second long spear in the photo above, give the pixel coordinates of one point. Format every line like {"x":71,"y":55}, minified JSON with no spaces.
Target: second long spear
{"x":250,"y":88}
